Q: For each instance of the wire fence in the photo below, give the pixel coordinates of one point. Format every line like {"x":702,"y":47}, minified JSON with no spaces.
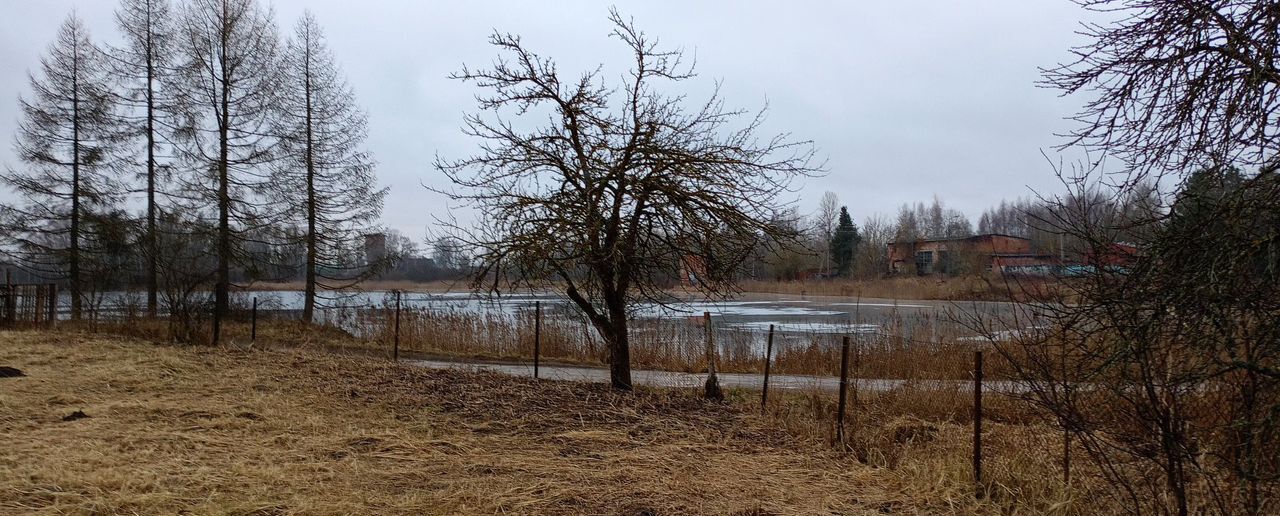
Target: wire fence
{"x":909,"y":365}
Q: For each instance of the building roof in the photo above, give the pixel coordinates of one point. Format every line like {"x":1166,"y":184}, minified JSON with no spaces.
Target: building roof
{"x":958,"y":239}
{"x":1025,"y":255}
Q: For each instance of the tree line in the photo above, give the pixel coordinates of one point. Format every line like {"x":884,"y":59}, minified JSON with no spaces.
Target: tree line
{"x":202,"y":151}
{"x":831,"y":245}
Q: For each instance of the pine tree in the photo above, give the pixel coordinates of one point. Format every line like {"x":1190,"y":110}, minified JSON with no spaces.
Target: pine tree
{"x":844,"y":243}
{"x":65,"y":140}
{"x":328,"y":177}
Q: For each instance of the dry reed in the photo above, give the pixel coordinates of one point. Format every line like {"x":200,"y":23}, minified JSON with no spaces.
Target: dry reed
{"x":959,"y":288}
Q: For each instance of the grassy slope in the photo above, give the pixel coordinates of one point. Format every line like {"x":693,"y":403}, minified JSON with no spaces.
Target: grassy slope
{"x":218,"y":431}
{"x":224,"y":431}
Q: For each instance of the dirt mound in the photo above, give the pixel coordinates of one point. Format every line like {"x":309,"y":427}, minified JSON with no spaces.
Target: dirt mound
{"x":79,"y":414}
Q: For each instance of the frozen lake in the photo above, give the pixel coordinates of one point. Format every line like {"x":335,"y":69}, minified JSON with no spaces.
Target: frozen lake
{"x":750,"y":313}
{"x":749,"y":316}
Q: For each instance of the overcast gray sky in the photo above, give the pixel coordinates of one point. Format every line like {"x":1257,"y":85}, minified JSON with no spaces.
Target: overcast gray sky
{"x":903,"y":98}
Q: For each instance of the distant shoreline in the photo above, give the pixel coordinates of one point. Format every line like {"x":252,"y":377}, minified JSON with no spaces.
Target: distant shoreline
{"x":962,"y":288}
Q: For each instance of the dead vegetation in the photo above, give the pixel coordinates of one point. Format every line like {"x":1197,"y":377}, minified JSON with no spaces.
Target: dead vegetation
{"x":939,"y":352}
{"x":164,"y":429}
{"x":958,"y":288}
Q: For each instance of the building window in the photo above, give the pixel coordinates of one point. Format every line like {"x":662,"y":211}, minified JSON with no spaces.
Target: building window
{"x":924,"y":262}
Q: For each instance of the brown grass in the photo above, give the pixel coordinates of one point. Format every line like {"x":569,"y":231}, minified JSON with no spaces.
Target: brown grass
{"x":227,"y":431}
{"x":961,"y":288}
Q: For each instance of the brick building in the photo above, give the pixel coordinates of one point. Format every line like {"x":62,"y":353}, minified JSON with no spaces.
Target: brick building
{"x":968,"y":255}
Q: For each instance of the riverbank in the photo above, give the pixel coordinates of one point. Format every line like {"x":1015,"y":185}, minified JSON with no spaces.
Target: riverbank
{"x":920,"y":288}
{"x":925,"y":288}
{"x":114,"y":425}
{"x":460,"y":285}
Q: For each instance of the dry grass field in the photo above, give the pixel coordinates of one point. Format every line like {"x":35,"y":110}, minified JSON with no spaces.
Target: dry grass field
{"x":229,"y":431}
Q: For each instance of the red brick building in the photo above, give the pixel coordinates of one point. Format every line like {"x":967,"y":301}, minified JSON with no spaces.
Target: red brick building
{"x":692,"y":270}
{"x":975,"y":254}
{"x":1116,"y":255}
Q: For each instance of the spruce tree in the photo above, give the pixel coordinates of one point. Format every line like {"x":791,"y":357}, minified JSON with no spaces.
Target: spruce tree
{"x":844,"y":242}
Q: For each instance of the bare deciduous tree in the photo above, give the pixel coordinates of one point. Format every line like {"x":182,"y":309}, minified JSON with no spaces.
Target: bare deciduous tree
{"x":449,"y":254}
{"x":140,"y":66}
{"x":621,"y":187}
{"x":228,"y":80}
{"x":1178,"y":85}
{"x":1164,"y":359}
{"x":65,"y":141}
{"x":827,"y":216}
{"x":872,"y":257}
{"x":324,"y":173}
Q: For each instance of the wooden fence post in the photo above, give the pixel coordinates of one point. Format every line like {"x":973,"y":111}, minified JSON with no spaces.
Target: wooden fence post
{"x":712,"y":389}
{"x":768,"y":357}
{"x":857,"y":368}
{"x":53,"y":304}
{"x":253,"y":322}
{"x":537,"y":336}
{"x":395,"y":350}
{"x":10,"y":299}
{"x":844,"y":386}
{"x":977,"y":422}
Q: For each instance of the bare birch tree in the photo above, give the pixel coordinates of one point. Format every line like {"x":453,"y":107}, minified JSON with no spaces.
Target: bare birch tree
{"x":827,"y":216}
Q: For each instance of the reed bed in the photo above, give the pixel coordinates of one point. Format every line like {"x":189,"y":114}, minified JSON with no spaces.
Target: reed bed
{"x":920,"y":348}
{"x":959,"y":288}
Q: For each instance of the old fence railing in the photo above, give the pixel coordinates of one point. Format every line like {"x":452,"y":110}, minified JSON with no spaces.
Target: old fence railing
{"x":28,"y":304}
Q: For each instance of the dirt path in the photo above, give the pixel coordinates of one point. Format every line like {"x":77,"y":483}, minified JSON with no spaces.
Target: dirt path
{"x":655,"y":378}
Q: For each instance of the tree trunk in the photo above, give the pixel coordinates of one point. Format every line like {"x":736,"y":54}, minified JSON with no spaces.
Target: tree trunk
{"x":152,"y":244}
{"x":619,"y":356}
{"x":221,"y":296}
{"x":613,"y":329}
{"x":309,"y":297}
{"x":74,"y":266}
